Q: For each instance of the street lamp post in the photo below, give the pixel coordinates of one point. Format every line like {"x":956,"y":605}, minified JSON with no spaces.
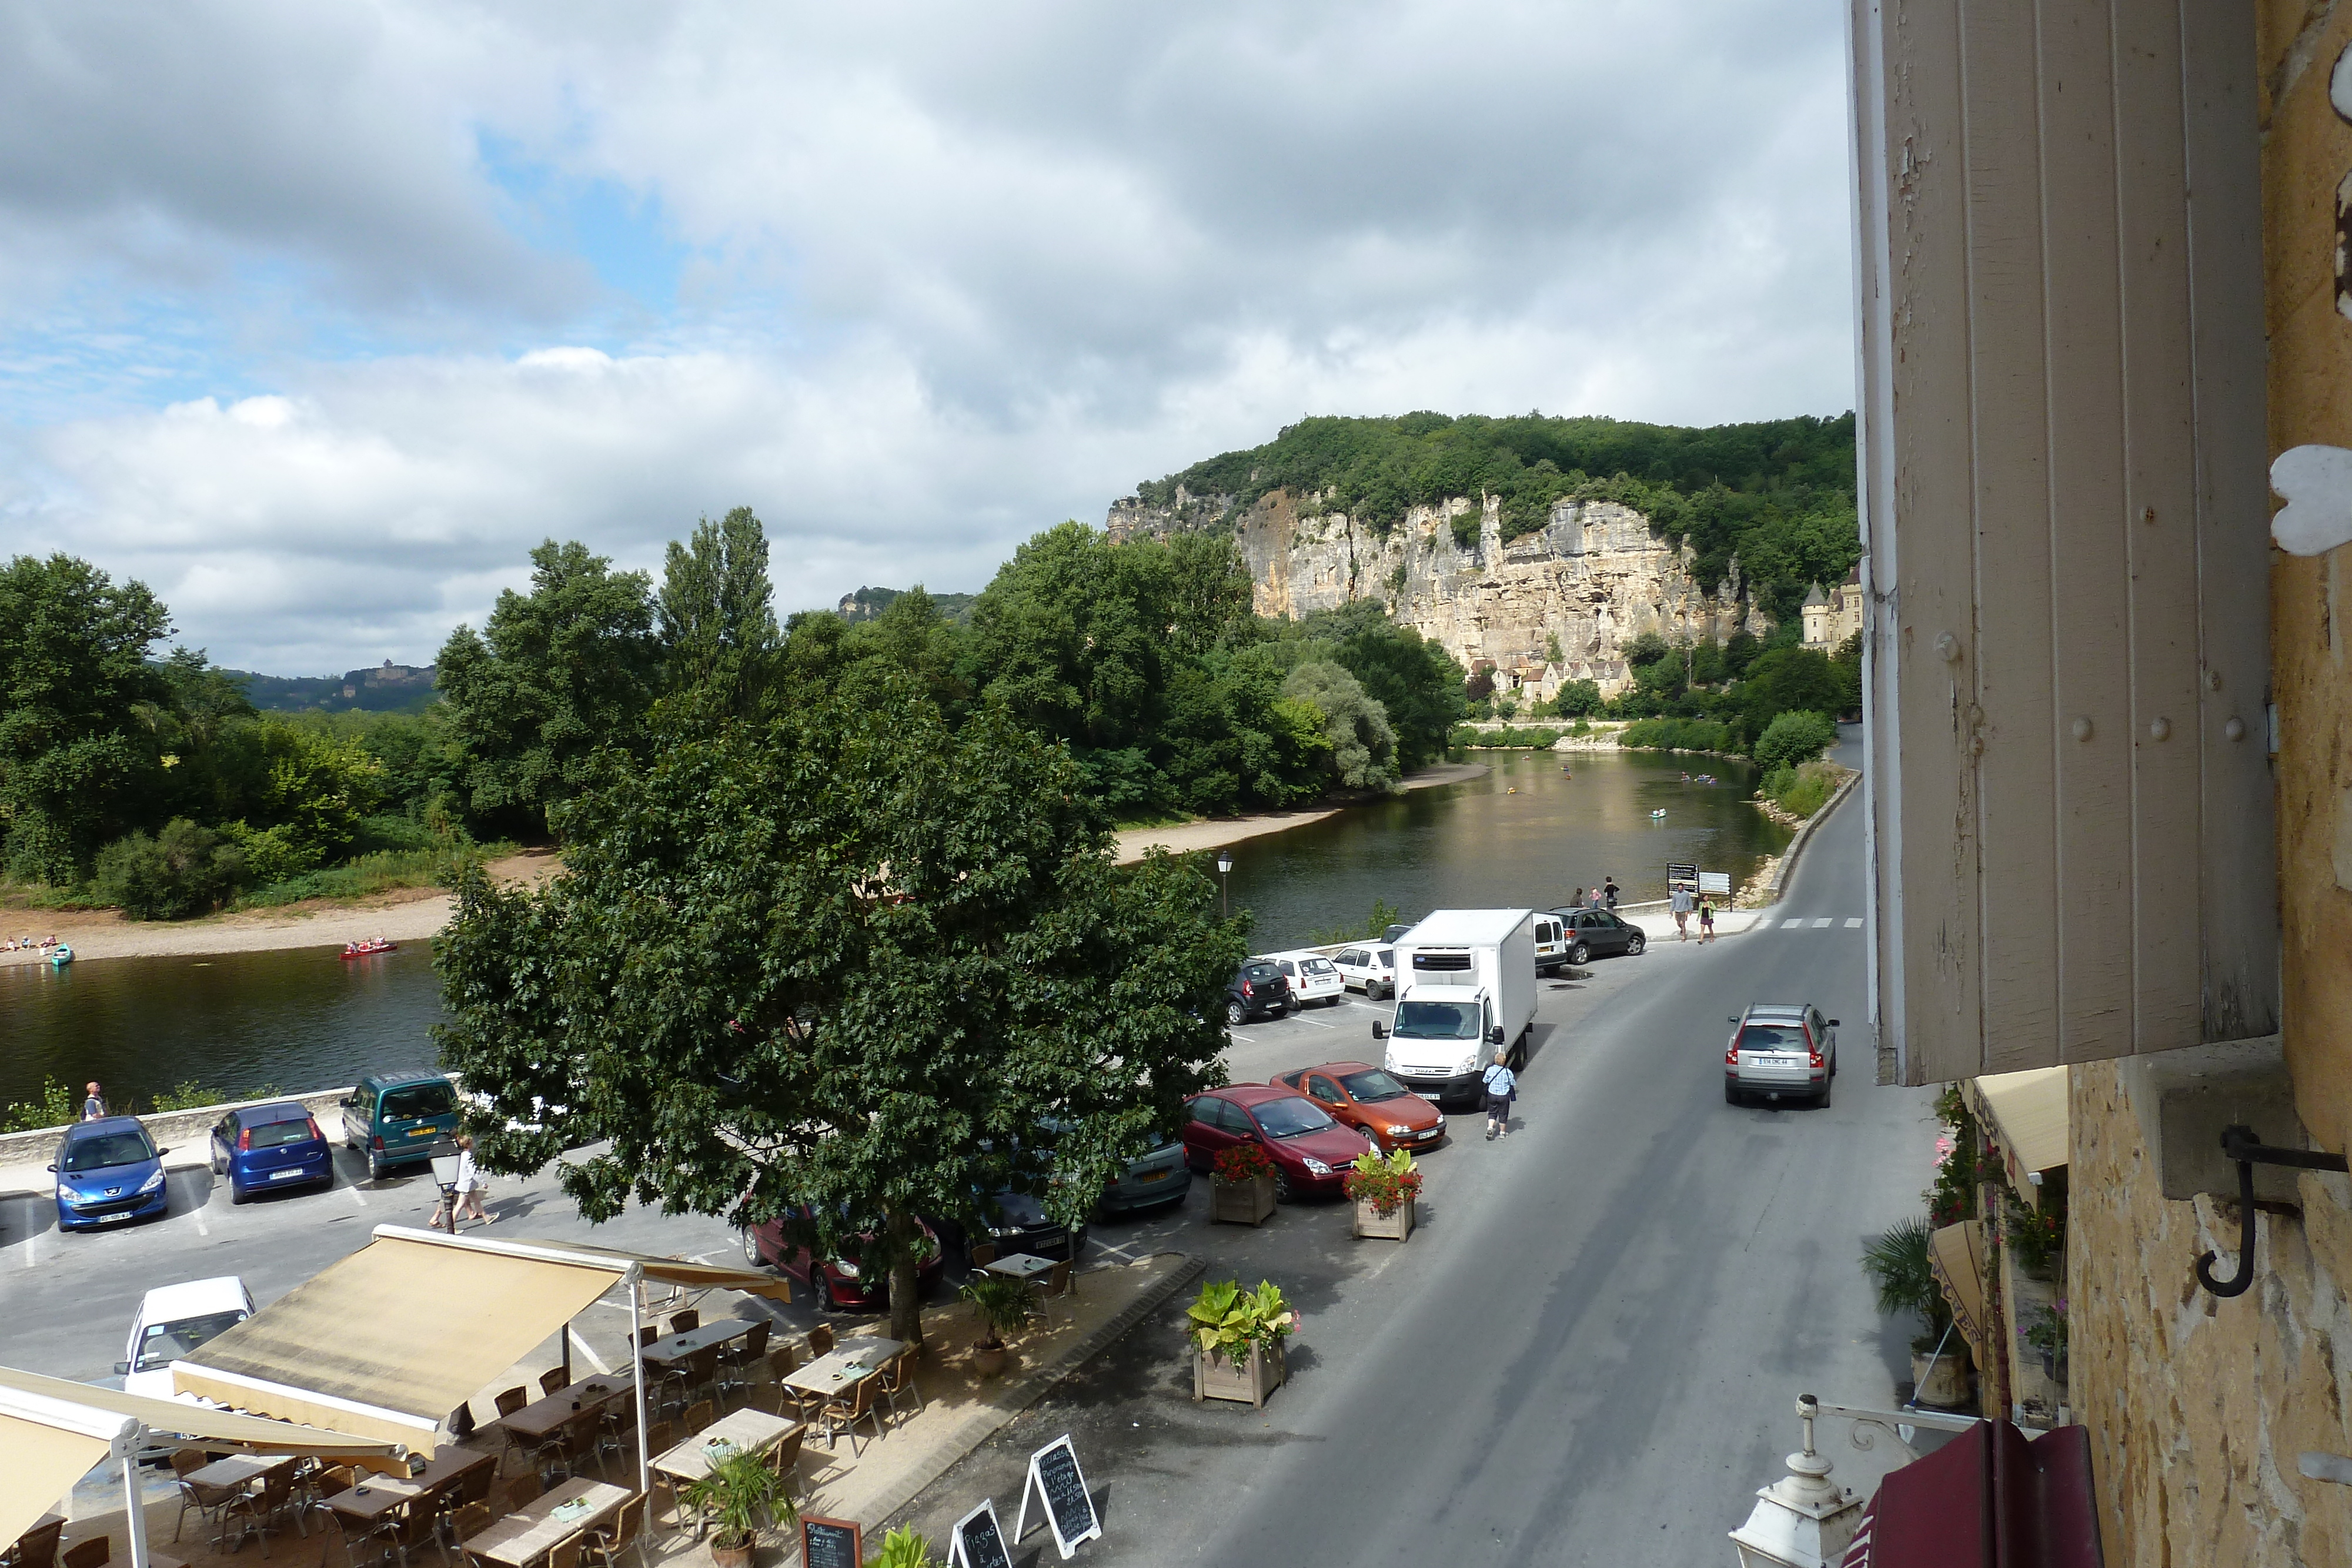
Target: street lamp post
{"x":1225,"y":866}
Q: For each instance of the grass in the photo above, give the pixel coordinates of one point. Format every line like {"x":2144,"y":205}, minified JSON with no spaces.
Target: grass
{"x":1508,"y":738}
{"x":1676,"y":735}
{"x":1801,"y":790}
{"x":379,"y":872}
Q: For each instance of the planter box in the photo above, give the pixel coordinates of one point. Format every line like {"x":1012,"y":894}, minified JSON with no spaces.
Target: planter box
{"x":1946,"y":1386}
{"x":1249,"y":1382}
{"x":1397,"y":1226}
{"x":1242,"y":1202}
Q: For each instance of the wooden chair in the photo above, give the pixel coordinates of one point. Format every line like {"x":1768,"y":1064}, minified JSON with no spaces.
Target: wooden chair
{"x":749,"y":1351}
{"x":684,"y":1322}
{"x":1054,"y":1282}
{"x":413,"y":1529}
{"x":522,"y":1493}
{"x":37,"y":1547}
{"x":95,"y":1553}
{"x":843,"y":1414}
{"x":983,"y":1254}
{"x":897,"y":1377}
{"x":698,"y":1415}
{"x":781,"y":1362}
{"x":512,"y":1400}
{"x":209,"y":1501}
{"x":471,"y":1519}
{"x":262,"y":1513}
{"x":553,"y":1378}
{"x":820,"y":1341}
{"x":579,"y":1441}
{"x":617,"y":1427}
{"x":323,"y":1483}
{"x":785,"y":1458}
{"x":627,"y":1529}
{"x":564,"y":1553}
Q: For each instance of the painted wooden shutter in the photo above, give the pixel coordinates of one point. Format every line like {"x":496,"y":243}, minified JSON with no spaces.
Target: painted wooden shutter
{"x":2059,"y":280}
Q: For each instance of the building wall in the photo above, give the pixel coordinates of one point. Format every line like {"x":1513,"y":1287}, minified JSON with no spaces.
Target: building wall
{"x":2198,"y":1407}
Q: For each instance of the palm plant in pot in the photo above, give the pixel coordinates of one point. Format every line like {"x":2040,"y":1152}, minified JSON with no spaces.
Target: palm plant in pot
{"x":1900,"y":1263}
{"x":1001,"y":1305}
{"x":735,"y":1497}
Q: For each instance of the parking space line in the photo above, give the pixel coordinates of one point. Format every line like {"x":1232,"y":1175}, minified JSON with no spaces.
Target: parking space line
{"x":1824,"y":923}
{"x":1765,"y":924}
{"x":582,"y":1346}
{"x":357,"y":1196}
{"x":1853,"y":923}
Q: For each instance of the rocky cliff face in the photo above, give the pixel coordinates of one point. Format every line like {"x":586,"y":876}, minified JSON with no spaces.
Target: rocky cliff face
{"x":1594,"y":577}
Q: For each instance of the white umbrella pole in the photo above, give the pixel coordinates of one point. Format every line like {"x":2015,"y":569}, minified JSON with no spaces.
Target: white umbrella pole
{"x":637,"y":1354}
{"x":134,"y":1504}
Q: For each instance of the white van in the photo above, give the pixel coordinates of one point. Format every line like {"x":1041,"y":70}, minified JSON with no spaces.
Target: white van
{"x":1465,"y":988}
{"x":1551,"y":943}
{"x":173,"y":1321}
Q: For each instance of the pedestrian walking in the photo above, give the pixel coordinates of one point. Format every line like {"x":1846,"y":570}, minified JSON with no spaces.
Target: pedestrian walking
{"x":94,"y":1107}
{"x":1705,"y":920}
{"x":1609,"y":892}
{"x":1682,"y":906}
{"x":1592,"y":900}
{"x":470,"y":1185}
{"x":1502,"y":1088}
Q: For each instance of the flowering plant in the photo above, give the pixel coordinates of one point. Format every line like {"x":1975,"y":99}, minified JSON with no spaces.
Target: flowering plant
{"x":1387,"y":1183}
{"x":1243,"y":1162}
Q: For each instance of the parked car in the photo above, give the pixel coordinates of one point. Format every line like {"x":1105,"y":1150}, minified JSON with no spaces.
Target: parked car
{"x":1600,"y":934}
{"x":270,"y":1147}
{"x":1312,"y":978}
{"x":1372,"y":1101}
{"x":399,"y":1118}
{"x":1551,"y":943}
{"x":1367,"y":968}
{"x":837,"y":1282}
{"x":1157,"y":1178}
{"x":172,"y":1321}
{"x":1016,"y":1222}
{"x":1391,"y":933}
{"x":1781,"y":1047}
{"x":1256,"y":990}
{"x":109,"y":1172}
{"x":1309,"y":1149}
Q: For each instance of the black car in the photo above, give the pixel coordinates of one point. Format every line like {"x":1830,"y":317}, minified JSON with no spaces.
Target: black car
{"x":1016,"y":1222}
{"x":1600,"y":934}
{"x":1258,"y":989}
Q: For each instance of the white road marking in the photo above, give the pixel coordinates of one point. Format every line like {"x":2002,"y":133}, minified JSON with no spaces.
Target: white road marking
{"x":1761,"y":925}
{"x":353,"y":1187}
{"x":582,"y":1346}
{"x":1296,"y":1019}
{"x":1853,"y":923}
{"x":1824,"y":923}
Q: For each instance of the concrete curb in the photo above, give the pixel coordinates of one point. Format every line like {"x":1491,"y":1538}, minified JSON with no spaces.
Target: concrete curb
{"x":981,"y":1424}
{"x":1788,"y":855}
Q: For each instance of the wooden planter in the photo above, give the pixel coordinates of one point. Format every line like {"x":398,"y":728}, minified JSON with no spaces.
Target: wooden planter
{"x":1216,"y":1378}
{"x":1242,"y":1202}
{"x":1397,"y":1226}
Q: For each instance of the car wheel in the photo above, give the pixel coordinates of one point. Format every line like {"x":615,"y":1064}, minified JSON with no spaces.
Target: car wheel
{"x":375,"y":1168}
{"x":1635,"y":944}
{"x":824,"y":1298}
{"x":751,"y":1248}
{"x":1730,"y":1093}
{"x":237,"y":1195}
{"x":1235,"y":1013}
{"x":1580,"y":954}
{"x":1824,"y":1101}
{"x":1282,"y":1193}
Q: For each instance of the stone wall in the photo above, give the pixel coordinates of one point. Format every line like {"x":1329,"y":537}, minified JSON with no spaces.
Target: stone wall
{"x":1594,"y":577}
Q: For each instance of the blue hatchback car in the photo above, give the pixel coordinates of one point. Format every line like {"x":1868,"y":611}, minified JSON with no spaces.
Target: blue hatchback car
{"x":109,"y":1172}
{"x":263,"y":1147}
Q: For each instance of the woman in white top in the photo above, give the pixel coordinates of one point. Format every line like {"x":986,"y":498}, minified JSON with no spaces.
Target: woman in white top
{"x":470,"y":1184}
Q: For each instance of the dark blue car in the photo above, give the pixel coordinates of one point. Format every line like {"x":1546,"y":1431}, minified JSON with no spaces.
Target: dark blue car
{"x":261,"y":1148}
{"x":109,"y":1172}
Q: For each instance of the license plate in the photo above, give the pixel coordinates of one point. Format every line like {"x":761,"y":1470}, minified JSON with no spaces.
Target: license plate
{"x":285,"y":1176}
{"x":422,"y":1132}
{"x":1426,"y":1095}
{"x":1153,"y":1176}
{"x":111,"y":1218}
{"x":1779,"y":1060}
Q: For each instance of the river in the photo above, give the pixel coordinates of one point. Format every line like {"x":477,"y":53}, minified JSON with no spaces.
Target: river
{"x":1529,"y":832}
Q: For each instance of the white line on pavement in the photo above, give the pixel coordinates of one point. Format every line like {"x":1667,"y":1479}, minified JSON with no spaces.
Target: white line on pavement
{"x":1853,"y":923}
{"x":356,"y":1197}
{"x":582,"y":1346}
{"x":1761,"y":925}
{"x":1824,"y":923}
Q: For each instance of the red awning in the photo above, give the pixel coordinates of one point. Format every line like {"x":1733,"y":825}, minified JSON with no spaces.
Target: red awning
{"x":1990,"y":1498}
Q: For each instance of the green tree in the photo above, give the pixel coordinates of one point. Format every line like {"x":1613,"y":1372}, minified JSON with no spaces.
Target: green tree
{"x":1577,"y":699}
{"x":1795,"y":735}
{"x":557,"y":673}
{"x":717,"y":617}
{"x":1417,"y":684}
{"x":848,"y":958}
{"x":181,"y":871}
{"x":1784,"y":678}
{"x":1363,"y":745}
{"x":75,"y":768}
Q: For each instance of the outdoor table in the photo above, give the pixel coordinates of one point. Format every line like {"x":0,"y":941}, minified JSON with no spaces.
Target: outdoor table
{"x":831,"y":1374}
{"x":242,"y":1470}
{"x":369,"y":1499}
{"x":1021,"y":1266}
{"x":539,"y":1419}
{"x":680,"y":1348}
{"x":526,"y":1535}
{"x":747,"y":1428}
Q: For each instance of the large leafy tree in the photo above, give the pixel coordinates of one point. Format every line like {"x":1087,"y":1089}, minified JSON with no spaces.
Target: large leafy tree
{"x":73,"y":670}
{"x":558,"y":673}
{"x":848,"y":958}
{"x":718,"y":626}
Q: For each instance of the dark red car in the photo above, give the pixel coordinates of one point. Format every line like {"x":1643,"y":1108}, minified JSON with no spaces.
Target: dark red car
{"x":1311,"y":1152}
{"x":840,"y":1282}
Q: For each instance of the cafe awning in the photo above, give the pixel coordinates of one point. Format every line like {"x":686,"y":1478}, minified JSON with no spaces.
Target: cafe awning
{"x":1990,"y":1497}
{"x":54,"y":1432}
{"x":1956,"y":1256}
{"x":2025,"y":1114}
{"x":390,"y":1339}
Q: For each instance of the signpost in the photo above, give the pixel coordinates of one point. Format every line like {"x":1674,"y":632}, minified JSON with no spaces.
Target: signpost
{"x":1061,"y":1487}
{"x":831,"y":1543}
{"x":979,"y":1541}
{"x":1681,"y":876}
{"x":1717,"y":883}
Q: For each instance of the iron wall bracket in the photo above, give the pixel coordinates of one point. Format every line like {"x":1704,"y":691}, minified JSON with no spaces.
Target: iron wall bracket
{"x":2240,"y":1147}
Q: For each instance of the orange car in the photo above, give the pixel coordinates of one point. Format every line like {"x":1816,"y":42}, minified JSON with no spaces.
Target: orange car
{"x":1365,"y":1097}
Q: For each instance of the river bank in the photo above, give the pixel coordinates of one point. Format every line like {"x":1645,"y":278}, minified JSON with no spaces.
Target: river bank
{"x":413,"y":915}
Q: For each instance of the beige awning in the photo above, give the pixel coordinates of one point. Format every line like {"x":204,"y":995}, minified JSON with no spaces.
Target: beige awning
{"x":1956,"y":1256}
{"x":390,"y":1339}
{"x":2025,"y":1113}
{"x":54,"y":1432}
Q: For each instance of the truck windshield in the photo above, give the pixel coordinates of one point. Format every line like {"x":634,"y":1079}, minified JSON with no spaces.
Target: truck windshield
{"x":1437,"y":1020}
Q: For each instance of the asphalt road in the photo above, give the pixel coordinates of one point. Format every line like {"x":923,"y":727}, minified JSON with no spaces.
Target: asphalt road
{"x":1591,"y":1352}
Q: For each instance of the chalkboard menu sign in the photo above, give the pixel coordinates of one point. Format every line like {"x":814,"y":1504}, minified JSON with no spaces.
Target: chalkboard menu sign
{"x":979,"y":1541}
{"x":831,"y":1543}
{"x":1061,"y":1486}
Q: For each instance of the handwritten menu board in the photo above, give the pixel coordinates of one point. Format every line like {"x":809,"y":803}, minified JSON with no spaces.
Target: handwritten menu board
{"x":831,"y":1543}
{"x":1061,"y":1486}
{"x":979,"y":1541}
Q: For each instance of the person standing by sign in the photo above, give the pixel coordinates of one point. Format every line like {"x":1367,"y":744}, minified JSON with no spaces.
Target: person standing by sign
{"x":1706,"y":918}
{"x":1682,"y":907}
{"x":1502,"y":1085}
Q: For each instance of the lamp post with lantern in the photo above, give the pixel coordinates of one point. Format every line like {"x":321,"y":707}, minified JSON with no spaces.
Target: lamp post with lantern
{"x":1224,"y":867}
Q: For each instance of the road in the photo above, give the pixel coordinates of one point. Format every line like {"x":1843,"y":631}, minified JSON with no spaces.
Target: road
{"x":1591,"y":1350}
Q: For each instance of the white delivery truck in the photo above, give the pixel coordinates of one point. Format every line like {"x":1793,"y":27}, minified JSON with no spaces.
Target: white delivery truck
{"x":1466,"y":994}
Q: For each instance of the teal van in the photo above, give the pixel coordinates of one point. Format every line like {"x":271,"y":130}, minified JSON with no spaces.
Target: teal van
{"x":399,"y":1118}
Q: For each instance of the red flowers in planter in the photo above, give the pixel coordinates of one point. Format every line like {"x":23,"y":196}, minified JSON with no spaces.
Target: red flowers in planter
{"x":1243,"y":1162}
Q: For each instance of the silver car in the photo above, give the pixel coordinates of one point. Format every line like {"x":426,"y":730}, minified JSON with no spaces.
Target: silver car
{"x":1781,"y":1049}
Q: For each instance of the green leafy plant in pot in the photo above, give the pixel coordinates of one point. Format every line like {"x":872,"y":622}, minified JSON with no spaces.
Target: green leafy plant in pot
{"x":902,"y":1548}
{"x":1900,"y":1265}
{"x":1388,"y":1182}
{"x":1002,"y":1305}
{"x":738,"y":1494}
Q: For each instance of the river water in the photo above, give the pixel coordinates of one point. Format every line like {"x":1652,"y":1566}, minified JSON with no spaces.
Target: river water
{"x":1529,"y":832}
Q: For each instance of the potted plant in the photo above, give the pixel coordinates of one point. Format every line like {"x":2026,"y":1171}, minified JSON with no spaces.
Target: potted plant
{"x":1001,"y":1305}
{"x":1237,"y":1338}
{"x":1898,"y":1264}
{"x":1241,"y":1184}
{"x":2047,"y":1333}
{"x":902,"y":1548}
{"x":735,"y":1497}
{"x":1384,"y":1187}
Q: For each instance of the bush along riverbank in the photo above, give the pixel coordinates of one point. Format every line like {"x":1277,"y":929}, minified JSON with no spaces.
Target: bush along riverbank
{"x":1791,"y":795}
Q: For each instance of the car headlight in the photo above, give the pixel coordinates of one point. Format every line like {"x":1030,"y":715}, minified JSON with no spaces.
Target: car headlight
{"x":152,"y":1182}
{"x":1468,"y":1065}
{"x":844,"y":1268}
{"x":1316,"y":1166}
{"x":1397,"y":1130}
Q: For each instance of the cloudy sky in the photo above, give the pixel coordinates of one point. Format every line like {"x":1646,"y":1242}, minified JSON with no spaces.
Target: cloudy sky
{"x":317,"y":315}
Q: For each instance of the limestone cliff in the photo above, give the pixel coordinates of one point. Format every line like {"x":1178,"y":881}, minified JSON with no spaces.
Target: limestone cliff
{"x":1594,"y":577}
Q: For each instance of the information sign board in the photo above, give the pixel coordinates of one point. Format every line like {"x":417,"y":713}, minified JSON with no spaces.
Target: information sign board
{"x":1061,"y":1487}
{"x":831,"y":1543}
{"x":979,"y":1539}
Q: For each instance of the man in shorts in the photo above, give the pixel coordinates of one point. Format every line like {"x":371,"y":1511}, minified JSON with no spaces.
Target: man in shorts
{"x":1501,"y":1085}
{"x":1682,"y":901}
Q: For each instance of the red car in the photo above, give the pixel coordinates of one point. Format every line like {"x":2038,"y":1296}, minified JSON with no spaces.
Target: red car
{"x":1311,"y":1152}
{"x":840,"y":1282}
{"x":1367,"y":1099}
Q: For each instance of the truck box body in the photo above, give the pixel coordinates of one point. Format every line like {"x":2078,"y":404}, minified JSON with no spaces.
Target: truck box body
{"x":1461,"y":975}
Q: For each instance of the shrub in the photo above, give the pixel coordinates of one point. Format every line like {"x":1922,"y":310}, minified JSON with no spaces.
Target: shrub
{"x":1676,"y":735}
{"x":374,"y":873}
{"x":1803,"y":790}
{"x":1794,"y":737}
{"x":1577,"y":699}
{"x":1537,"y":739}
{"x":54,"y":1108}
{"x":1226,"y":1320}
{"x":1898,"y":1265}
{"x":185,"y":870}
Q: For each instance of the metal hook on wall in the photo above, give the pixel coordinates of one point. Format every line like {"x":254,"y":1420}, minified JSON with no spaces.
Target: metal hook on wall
{"x":2239,"y":1144}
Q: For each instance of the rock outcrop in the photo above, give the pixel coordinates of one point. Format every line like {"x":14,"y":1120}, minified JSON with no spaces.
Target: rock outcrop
{"x":1594,"y":577}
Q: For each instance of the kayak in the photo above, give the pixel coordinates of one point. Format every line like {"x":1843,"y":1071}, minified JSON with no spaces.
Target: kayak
{"x":369,"y":949}
{"x":61,"y":956}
